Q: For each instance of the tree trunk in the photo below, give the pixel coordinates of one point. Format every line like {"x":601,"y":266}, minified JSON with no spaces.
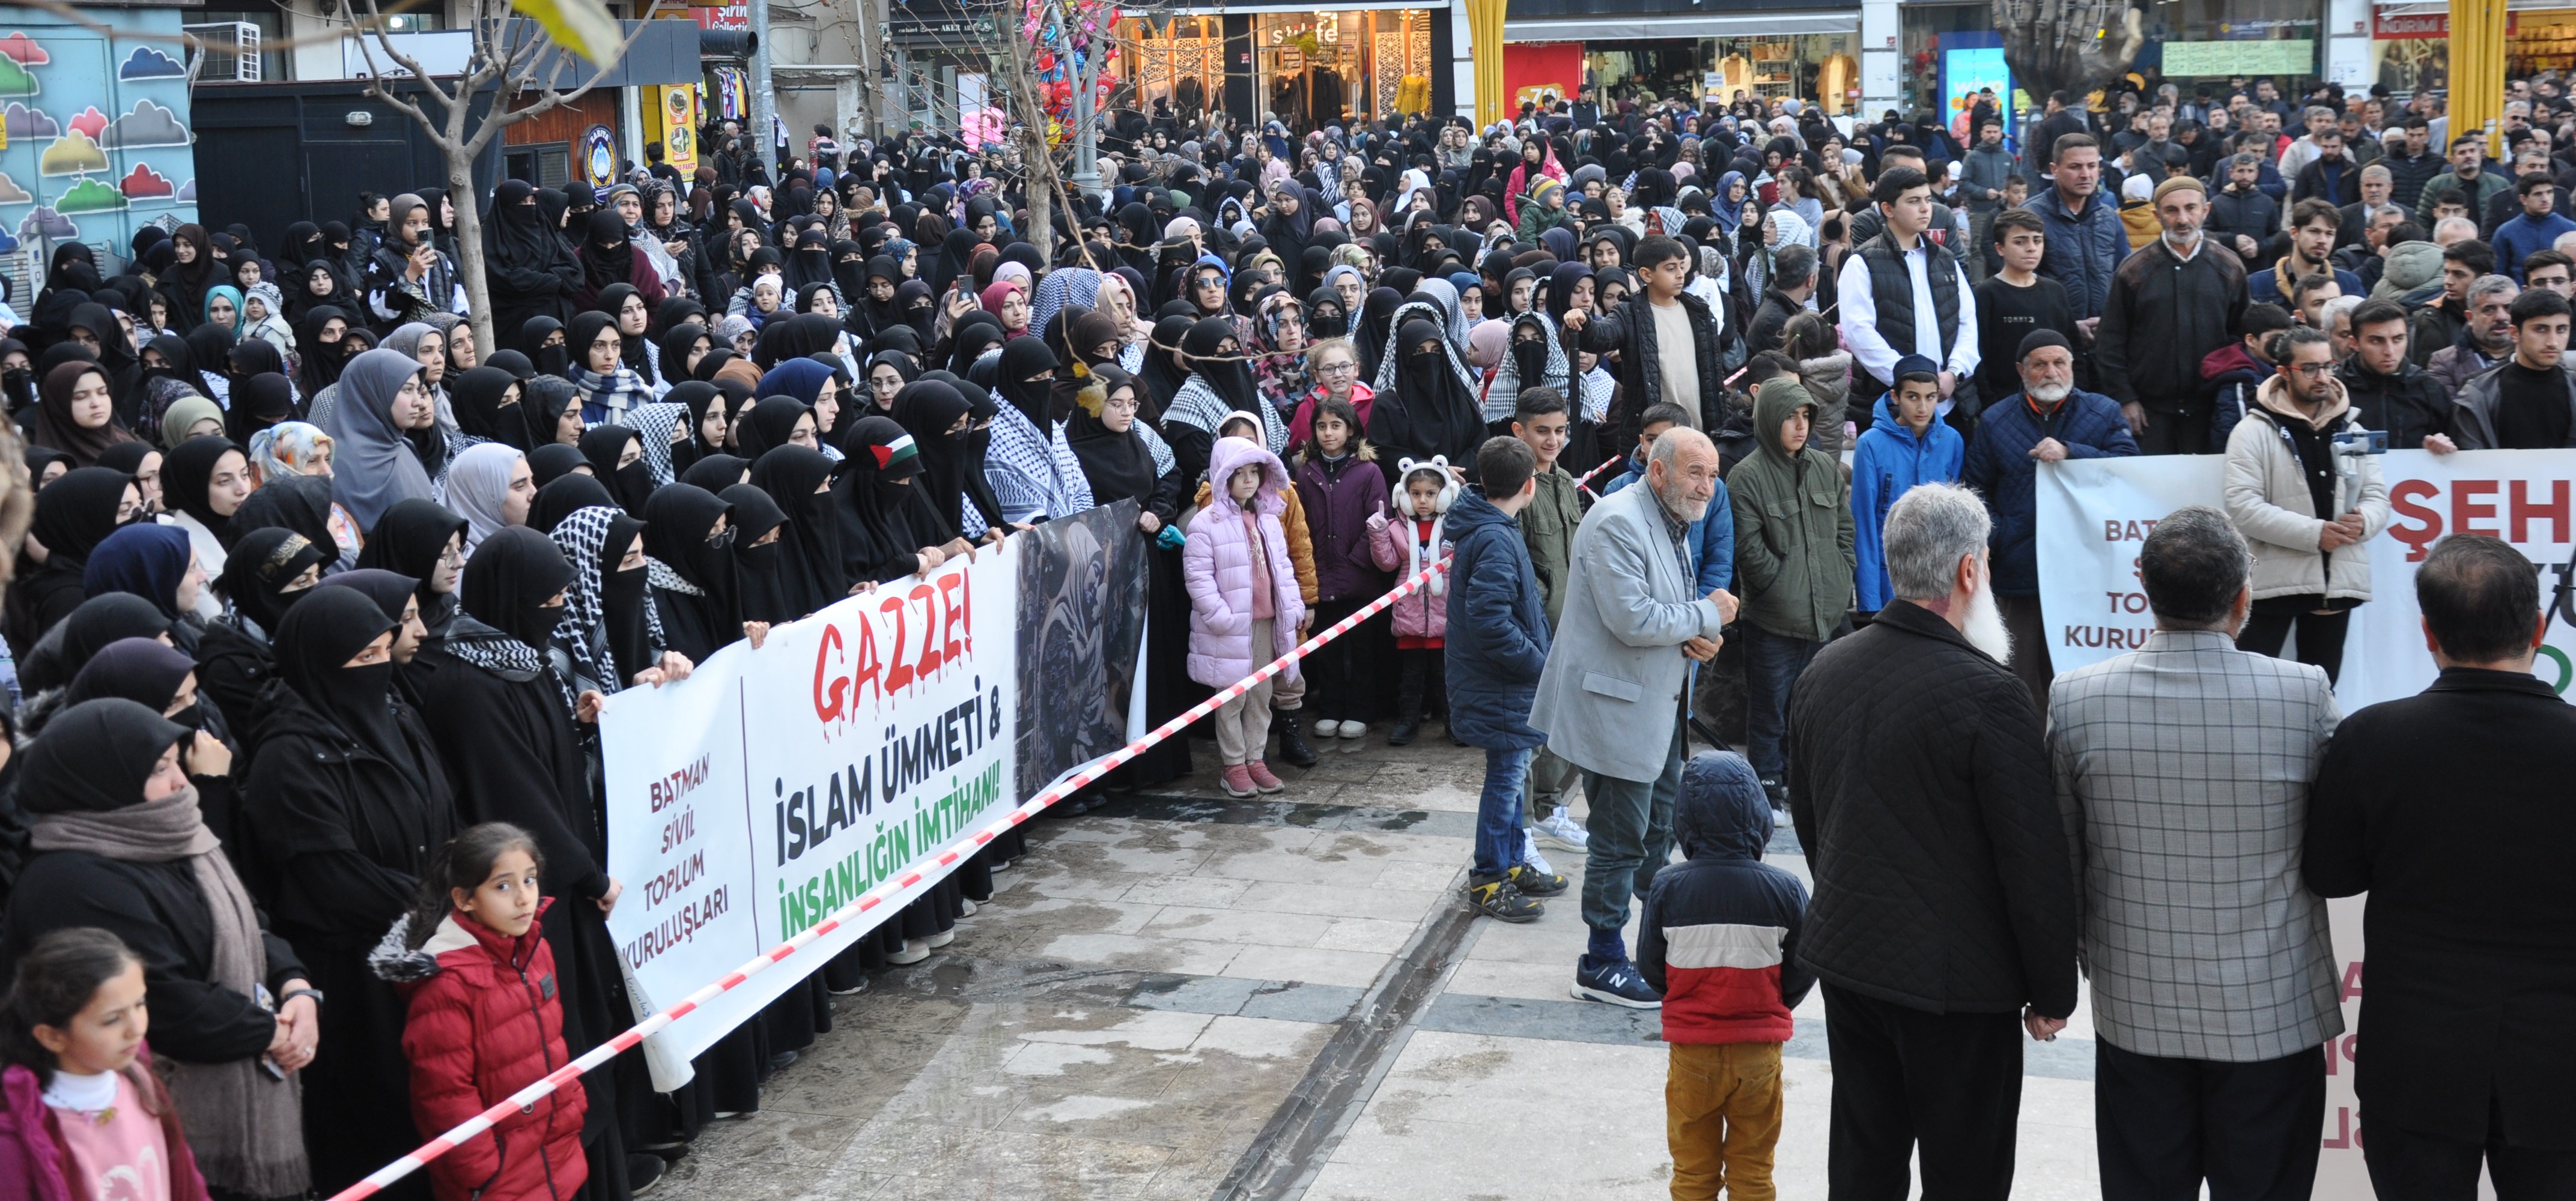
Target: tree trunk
{"x":469,"y":250}
{"x":1038,"y":160}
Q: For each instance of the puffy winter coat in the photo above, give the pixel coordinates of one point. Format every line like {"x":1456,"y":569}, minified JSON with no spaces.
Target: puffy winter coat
{"x":486,"y":1020}
{"x":1720,"y":935}
{"x":1793,"y":526}
{"x":2230,"y":375}
{"x":1889,"y":461}
{"x":2268,"y":499}
{"x":2409,"y":406}
{"x":1338,"y":507}
{"x":1292,"y":528}
{"x":1497,"y":629}
{"x":1216,"y":566}
{"x":1395,"y":544}
{"x":32,"y":1155}
{"x":2083,"y":251}
{"x":1999,"y":467}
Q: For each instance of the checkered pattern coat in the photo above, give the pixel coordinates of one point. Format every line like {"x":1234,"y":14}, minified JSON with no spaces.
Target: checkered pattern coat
{"x":2183,"y":771}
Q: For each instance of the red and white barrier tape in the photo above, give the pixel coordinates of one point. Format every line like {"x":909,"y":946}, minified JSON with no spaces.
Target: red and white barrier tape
{"x":527,"y":1097}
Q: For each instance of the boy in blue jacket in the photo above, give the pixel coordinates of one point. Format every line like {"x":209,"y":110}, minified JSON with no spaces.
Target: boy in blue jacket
{"x":1497,"y":646}
{"x":1906,"y":444}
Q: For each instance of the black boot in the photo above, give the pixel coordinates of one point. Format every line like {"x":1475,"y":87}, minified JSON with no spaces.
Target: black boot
{"x":1292,"y":740}
{"x":1410,"y":681}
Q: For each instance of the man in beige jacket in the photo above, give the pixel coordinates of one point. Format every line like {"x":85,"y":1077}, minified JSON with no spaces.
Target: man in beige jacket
{"x":2285,"y":476}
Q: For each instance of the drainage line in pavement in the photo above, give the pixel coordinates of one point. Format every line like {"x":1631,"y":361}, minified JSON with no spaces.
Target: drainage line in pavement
{"x":1301,"y":1135}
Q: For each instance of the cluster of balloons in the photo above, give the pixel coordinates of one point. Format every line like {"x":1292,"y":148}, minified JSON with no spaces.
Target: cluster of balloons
{"x":1068,"y":33}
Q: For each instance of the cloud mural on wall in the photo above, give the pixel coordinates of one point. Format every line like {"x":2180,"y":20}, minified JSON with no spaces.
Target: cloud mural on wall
{"x":146,"y":124}
{"x":148,"y":63}
{"x":29,"y":124}
{"x":11,"y":193}
{"x":16,"y":80}
{"x":144,"y":183}
{"x":44,"y":222}
{"x":24,"y":50}
{"x":71,"y":154}
{"x":90,"y":121}
{"x":91,"y":196}
{"x":187,"y":191}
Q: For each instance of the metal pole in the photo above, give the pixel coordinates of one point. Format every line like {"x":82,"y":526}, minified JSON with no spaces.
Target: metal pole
{"x":1086,"y":120}
{"x":764,"y":100}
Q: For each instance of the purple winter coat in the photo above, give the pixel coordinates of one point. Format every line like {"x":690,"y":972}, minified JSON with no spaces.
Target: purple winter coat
{"x":1337,"y":513}
{"x":1216,"y":566}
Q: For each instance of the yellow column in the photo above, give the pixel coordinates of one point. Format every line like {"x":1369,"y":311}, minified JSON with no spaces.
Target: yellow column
{"x":1485,"y":43}
{"x":2477,"y":70}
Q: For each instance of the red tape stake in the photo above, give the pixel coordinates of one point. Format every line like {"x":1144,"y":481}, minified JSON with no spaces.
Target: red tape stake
{"x":582,"y":1064}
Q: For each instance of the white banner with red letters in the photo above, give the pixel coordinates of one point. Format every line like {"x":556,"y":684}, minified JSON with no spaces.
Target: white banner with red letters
{"x":2094,"y":513}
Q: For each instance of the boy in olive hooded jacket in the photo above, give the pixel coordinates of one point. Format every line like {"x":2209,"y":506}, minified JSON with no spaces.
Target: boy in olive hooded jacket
{"x":1793,"y":564}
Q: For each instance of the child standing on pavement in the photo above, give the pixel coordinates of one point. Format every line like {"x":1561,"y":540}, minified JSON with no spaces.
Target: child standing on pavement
{"x":1340,"y":486}
{"x":1244,"y":603}
{"x":1287,"y":691}
{"x":1719,"y":939}
{"x":1542,"y":422}
{"x":1414,"y":538}
{"x":1499,"y":639}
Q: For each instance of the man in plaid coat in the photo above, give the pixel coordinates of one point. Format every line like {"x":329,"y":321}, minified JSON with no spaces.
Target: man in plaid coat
{"x":2183,"y":770}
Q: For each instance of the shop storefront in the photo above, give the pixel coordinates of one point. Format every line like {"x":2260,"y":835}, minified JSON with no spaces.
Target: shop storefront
{"x":1805,"y":55}
{"x":2537,"y":40}
{"x":1309,"y":68}
{"x":1949,"y":52}
{"x":2218,"y":40}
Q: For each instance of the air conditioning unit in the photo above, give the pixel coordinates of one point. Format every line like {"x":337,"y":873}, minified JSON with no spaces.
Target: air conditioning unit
{"x":224,"y":52}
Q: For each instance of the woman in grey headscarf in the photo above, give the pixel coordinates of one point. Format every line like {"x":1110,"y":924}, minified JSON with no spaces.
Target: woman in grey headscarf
{"x":379,"y":460}
{"x":480,"y":487}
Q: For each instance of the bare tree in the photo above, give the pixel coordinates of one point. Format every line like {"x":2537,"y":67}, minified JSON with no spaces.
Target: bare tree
{"x":524,"y":69}
{"x":2076,"y":45}
{"x":1015,"y":68}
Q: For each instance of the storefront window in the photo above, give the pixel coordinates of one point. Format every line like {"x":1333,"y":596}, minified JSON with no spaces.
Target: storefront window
{"x":1818,"y":67}
{"x":1928,"y":30}
{"x":1180,"y":62}
{"x":1319,"y":69}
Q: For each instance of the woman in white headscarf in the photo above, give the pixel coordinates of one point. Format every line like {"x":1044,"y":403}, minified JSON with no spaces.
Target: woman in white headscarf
{"x":490,"y":487}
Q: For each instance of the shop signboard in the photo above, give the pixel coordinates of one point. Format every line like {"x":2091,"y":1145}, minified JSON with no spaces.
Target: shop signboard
{"x":1966,"y":71}
{"x":2268,"y":56}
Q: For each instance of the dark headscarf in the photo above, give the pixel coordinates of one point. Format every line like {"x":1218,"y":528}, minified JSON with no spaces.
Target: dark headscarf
{"x":408,"y":541}
{"x":188,"y":471}
{"x":676,"y":344}
{"x":810,"y":570}
{"x":476,"y":396}
{"x":715,"y":472}
{"x":760,"y":588}
{"x":554,"y":461}
{"x":564,"y":496}
{"x":146,"y":560}
{"x":145,"y":671}
{"x":926,"y":409}
{"x":315,"y":641}
{"x":54,"y":426}
{"x":1022,"y":358}
{"x":772,"y":424}
{"x":632,"y":484}
{"x":258,"y":568}
{"x":301,"y":503}
{"x":606,"y":255}
{"x":1118,"y":464}
{"x":76,"y":513}
{"x":510,"y":580}
{"x":259,"y":402}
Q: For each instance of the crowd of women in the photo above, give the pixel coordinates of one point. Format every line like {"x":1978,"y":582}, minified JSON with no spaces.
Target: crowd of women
{"x":318,"y":580}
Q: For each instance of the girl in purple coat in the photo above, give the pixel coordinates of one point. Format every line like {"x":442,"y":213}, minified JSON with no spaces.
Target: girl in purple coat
{"x":1341,"y":487}
{"x":1244,"y":602}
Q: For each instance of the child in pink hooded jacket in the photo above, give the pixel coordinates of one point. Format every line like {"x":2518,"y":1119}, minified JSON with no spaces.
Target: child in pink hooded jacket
{"x":1244,"y":602}
{"x":1405,"y":539}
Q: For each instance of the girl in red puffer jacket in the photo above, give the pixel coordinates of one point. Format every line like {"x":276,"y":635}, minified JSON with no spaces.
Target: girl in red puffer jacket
{"x":486,"y":1019}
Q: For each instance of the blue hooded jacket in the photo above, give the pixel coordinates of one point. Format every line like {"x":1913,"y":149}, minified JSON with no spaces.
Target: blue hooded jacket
{"x":1887,"y":462}
{"x":1497,"y":639}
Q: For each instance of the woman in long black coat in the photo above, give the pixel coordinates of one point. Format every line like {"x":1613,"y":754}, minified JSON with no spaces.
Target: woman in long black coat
{"x":503,"y":721}
{"x":347,"y":799}
{"x":531,"y":271}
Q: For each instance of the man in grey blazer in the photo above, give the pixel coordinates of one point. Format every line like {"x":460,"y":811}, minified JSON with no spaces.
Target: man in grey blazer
{"x":1617,"y":685}
{"x":2183,"y":772}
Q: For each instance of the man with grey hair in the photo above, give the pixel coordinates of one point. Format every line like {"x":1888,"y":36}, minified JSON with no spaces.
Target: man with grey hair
{"x":1617,"y":686}
{"x":2489,"y":339}
{"x":1943,"y":926}
{"x":2183,"y":772}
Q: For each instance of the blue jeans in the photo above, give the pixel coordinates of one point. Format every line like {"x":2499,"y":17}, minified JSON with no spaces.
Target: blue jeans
{"x":1632,"y":834}
{"x":1498,"y":812}
{"x":1771,"y":665}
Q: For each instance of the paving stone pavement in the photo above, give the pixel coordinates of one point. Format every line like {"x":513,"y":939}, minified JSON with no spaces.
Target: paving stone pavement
{"x":1186,"y":996}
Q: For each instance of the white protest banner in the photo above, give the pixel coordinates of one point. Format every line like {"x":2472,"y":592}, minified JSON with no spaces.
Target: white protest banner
{"x":774,"y":785}
{"x":2094,"y":513}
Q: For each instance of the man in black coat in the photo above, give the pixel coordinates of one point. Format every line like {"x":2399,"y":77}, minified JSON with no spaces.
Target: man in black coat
{"x":1793,"y":280}
{"x":1944,"y":923}
{"x":2472,"y":957}
{"x":2172,"y":302}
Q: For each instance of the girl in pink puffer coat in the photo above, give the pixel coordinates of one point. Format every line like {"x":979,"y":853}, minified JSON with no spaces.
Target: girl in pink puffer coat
{"x":1244,"y":603}
{"x":1405,"y":539}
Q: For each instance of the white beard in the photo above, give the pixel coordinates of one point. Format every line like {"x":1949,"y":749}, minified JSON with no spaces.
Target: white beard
{"x":1985,"y":629}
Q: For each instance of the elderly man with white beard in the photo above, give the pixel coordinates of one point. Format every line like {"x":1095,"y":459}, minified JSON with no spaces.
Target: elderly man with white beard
{"x":1944,"y":922}
{"x":2214,"y":986}
{"x":2048,"y":421}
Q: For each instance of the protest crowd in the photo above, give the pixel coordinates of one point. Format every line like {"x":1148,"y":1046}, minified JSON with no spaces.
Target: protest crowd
{"x":324,"y":596}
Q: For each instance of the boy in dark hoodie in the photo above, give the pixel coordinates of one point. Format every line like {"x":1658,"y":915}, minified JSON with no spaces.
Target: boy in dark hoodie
{"x":2232,"y":373}
{"x":1719,"y":938}
{"x":1497,"y":646}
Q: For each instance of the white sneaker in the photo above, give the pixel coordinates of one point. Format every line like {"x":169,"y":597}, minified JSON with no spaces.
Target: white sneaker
{"x":943,"y":938}
{"x":1530,"y":855}
{"x":913,"y":952}
{"x":1327,"y":728}
{"x":1559,"y":830}
{"x":1354,"y":729}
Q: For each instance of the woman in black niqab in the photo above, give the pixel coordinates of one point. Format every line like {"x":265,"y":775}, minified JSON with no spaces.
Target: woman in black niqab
{"x":632,"y":483}
{"x":346,"y":801}
{"x":412,"y":539}
{"x":490,"y":408}
{"x":1430,"y":411}
{"x":760,"y":589}
{"x":937,"y":417}
{"x":1162,"y":375}
{"x":810,"y":568}
{"x":886,"y":523}
{"x":503,"y":722}
{"x":691,"y":570}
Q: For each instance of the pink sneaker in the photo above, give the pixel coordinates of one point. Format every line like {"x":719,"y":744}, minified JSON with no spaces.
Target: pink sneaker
{"x":1262,"y":777}
{"x":1237,"y":781}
